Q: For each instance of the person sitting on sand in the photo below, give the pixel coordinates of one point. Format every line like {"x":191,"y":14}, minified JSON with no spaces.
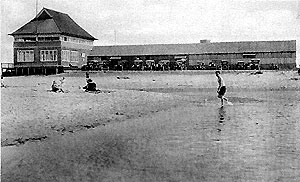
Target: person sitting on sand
{"x":62,"y":83}
{"x":54,"y":87}
{"x":221,"y":89}
{"x":2,"y":82}
{"x":91,"y":86}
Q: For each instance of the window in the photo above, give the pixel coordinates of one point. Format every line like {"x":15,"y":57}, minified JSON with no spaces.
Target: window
{"x":285,"y":55}
{"x":65,"y":55}
{"x":266,"y":55}
{"x":276,"y":55}
{"x":213,"y":56}
{"x":232,"y":56}
{"x":74,"y":56}
{"x":48,"y":55}
{"x":249,"y":55}
{"x":259,"y":55}
{"x":75,"y":40}
{"x":48,"y":39}
{"x":293,"y":55}
{"x":239,"y":56}
{"x":25,"y":56}
{"x":29,"y":39}
{"x":19,"y":39}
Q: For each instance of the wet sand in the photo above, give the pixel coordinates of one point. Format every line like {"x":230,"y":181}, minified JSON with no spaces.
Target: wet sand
{"x":152,"y":127}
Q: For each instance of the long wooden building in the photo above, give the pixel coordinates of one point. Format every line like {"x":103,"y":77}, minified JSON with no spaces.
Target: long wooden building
{"x":281,"y":53}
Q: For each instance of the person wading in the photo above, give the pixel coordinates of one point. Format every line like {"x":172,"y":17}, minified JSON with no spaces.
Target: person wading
{"x":221,"y":89}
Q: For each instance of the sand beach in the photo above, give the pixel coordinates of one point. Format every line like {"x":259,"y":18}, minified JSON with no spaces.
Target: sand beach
{"x":152,"y":126}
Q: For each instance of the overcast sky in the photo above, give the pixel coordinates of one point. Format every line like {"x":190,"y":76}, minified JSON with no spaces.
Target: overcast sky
{"x":162,"y":21}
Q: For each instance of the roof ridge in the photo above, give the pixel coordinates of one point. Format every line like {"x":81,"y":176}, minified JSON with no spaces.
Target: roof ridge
{"x":162,"y":44}
{"x":53,"y":10}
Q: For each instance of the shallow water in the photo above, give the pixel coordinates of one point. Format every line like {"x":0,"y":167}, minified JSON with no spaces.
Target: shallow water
{"x":255,"y":139}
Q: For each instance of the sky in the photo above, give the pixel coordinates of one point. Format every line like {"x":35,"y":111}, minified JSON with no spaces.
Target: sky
{"x":134,"y":22}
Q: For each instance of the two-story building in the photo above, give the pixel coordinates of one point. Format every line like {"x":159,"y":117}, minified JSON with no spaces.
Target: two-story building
{"x":49,"y":42}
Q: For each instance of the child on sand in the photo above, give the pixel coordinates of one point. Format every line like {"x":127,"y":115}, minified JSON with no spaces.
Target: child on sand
{"x":91,"y":86}
{"x":62,"y":83}
{"x":54,"y":87}
{"x":221,"y":89}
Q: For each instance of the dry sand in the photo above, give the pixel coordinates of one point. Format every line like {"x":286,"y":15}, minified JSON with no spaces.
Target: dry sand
{"x":154,"y":126}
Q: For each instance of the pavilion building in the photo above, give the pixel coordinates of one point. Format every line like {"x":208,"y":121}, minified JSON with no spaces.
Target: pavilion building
{"x":49,"y":42}
{"x":281,"y":53}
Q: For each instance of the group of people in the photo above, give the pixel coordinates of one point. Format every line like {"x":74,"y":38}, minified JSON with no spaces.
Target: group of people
{"x":90,"y":86}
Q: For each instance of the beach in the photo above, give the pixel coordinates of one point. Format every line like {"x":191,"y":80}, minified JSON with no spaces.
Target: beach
{"x":152,"y":126}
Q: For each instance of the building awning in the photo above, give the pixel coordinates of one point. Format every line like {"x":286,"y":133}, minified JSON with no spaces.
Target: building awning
{"x":179,"y":57}
{"x":150,"y":61}
{"x":164,"y":61}
{"x":138,"y":61}
{"x":249,"y":54}
{"x":181,"y":60}
{"x":115,"y":57}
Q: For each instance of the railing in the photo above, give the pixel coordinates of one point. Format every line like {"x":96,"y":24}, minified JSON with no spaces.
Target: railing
{"x":7,"y":65}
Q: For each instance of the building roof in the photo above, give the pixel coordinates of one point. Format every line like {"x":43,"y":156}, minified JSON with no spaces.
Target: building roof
{"x":53,"y":22}
{"x":195,"y":48}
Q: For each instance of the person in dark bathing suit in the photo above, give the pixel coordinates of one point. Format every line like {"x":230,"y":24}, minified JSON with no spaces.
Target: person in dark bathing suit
{"x":91,"y":86}
{"x":221,"y":89}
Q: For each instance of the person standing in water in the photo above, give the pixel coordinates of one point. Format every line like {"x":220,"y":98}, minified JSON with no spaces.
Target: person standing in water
{"x":221,"y":89}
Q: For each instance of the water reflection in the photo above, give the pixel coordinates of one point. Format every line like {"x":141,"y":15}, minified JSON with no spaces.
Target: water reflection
{"x":222,"y":114}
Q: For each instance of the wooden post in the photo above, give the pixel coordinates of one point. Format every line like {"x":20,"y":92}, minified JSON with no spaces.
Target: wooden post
{"x":28,"y":71}
{"x":22,"y":70}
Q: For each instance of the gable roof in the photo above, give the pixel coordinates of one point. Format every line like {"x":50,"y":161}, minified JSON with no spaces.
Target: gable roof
{"x":195,"y":48}
{"x":53,"y":22}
